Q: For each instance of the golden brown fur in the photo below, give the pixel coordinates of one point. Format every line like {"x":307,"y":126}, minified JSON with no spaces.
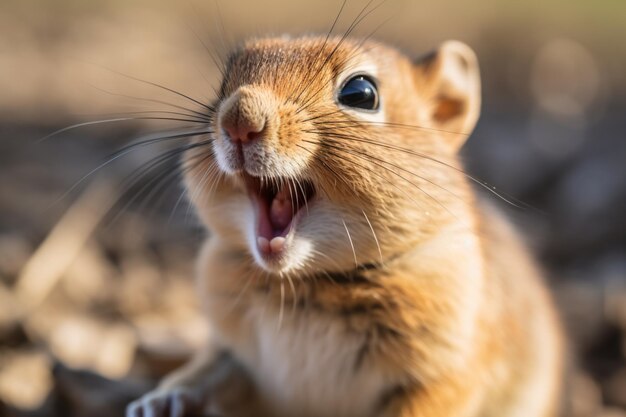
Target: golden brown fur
{"x":399,"y":294}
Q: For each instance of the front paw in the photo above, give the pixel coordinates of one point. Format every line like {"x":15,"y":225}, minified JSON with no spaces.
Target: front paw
{"x":177,"y":402}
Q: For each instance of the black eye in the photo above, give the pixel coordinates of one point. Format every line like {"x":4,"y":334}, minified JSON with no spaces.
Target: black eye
{"x":359,"y":92}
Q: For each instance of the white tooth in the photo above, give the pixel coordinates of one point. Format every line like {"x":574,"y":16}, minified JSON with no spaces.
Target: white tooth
{"x":263,"y":244}
{"x":277,"y":244}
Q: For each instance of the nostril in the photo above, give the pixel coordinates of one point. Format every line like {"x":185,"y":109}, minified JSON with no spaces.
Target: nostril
{"x":252,"y":135}
{"x":244,"y":134}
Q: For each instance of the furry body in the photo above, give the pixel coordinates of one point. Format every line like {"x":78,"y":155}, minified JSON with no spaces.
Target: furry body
{"x":396,"y":293}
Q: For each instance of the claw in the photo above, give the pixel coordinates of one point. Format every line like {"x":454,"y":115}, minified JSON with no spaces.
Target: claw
{"x":150,"y":408}
{"x":173,"y":403}
{"x":177,"y":406}
{"x":134,"y":409}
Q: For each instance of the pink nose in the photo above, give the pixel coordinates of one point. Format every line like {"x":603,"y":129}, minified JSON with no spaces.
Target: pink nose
{"x":244,"y":116}
{"x":242,"y":132}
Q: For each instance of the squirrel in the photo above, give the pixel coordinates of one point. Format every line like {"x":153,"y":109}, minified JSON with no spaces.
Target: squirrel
{"x":351,"y":269}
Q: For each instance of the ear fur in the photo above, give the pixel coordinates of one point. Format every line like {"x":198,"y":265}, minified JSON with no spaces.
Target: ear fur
{"x":449,"y":82}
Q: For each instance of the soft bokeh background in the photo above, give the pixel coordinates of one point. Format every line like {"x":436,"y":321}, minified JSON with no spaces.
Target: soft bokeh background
{"x":96,"y":294}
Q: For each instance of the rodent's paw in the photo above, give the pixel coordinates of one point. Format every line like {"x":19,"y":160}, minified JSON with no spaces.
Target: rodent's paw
{"x":177,"y":402}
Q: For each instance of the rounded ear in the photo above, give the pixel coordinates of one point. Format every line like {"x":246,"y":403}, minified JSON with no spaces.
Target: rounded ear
{"x":449,"y":82}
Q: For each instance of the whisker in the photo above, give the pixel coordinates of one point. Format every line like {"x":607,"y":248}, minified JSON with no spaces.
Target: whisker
{"x":155,"y":101}
{"x":114,"y":120}
{"x":306,"y":204}
{"x":359,"y":18}
{"x":124,"y":151}
{"x":508,"y":199}
{"x":365,"y":156}
{"x":331,"y":260}
{"x":155,"y":163}
{"x":209,"y":174}
{"x":237,"y":300}
{"x":380,"y":252}
{"x":311,"y":76}
{"x":218,"y":65}
{"x":291,"y":197}
{"x":320,"y":116}
{"x":295,"y":295}
{"x":356,"y":262}
{"x":184,"y":191}
{"x":206,"y":118}
{"x":392,"y":172}
{"x":351,"y":123}
{"x":170,"y":177}
{"x":388,"y":181}
{"x":212,"y":174}
{"x":282,"y":304}
{"x":331,"y":170}
{"x":220,"y":25}
{"x":154,"y":84}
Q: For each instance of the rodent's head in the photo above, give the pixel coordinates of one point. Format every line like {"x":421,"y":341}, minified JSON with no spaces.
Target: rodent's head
{"x":328,"y":153}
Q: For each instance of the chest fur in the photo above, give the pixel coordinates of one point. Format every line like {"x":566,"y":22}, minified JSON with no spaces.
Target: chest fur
{"x":306,"y":362}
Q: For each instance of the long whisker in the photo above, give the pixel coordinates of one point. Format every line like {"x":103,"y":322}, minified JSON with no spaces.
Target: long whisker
{"x":155,"y":101}
{"x":311,"y":77}
{"x":394,"y":173}
{"x":331,"y":170}
{"x":282,"y":304}
{"x":152,"y":165}
{"x":376,"y":174}
{"x":328,"y":58}
{"x":330,"y":259}
{"x":208,"y":174}
{"x":126,"y":150}
{"x":184,"y":169}
{"x":349,"y":123}
{"x":220,"y":25}
{"x":306,"y":204}
{"x":119,"y":119}
{"x":239,"y":297}
{"x":380,"y":252}
{"x":212,"y":174}
{"x":207,"y":118}
{"x":356,"y":262}
{"x":169,"y":177}
{"x":364,"y":13}
{"x":295,"y":295}
{"x":368,"y":157}
{"x":509,"y":200}
{"x":323,"y":115}
{"x":218,"y":65}
{"x":157,"y":85}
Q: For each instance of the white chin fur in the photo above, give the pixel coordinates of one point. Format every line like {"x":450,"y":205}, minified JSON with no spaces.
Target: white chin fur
{"x":223,"y":161}
{"x":295,"y":255}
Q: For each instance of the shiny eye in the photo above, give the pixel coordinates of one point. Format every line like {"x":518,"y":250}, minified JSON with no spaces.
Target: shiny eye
{"x":359,"y":92}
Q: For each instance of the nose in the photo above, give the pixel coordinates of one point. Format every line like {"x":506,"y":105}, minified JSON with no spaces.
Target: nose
{"x":243,"y":116}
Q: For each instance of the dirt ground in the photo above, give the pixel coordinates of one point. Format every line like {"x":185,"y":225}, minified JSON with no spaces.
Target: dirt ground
{"x":96,"y":261}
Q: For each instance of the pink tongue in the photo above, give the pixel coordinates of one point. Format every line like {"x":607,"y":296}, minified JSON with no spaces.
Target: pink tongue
{"x":281,"y":210}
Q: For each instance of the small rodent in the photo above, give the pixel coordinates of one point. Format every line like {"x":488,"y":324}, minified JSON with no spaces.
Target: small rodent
{"x":351,"y":269}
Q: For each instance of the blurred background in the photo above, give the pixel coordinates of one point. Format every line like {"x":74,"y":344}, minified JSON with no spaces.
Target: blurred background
{"x":97,"y":248}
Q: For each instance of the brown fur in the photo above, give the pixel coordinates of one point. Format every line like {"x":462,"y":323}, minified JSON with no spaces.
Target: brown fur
{"x":416,"y":299}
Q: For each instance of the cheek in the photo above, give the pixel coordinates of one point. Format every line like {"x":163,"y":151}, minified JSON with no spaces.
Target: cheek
{"x":290,"y":144}
{"x":339,"y":237}
{"x":220,"y":204}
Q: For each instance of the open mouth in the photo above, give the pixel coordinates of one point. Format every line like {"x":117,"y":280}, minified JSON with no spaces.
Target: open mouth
{"x":279,"y":203}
